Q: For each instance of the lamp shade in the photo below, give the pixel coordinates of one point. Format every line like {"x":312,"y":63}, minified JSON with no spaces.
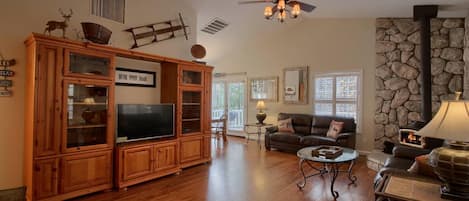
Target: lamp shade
{"x":260,"y":105}
{"x":450,"y":122}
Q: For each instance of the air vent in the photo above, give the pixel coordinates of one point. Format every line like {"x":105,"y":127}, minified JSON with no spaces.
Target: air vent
{"x":215,"y":26}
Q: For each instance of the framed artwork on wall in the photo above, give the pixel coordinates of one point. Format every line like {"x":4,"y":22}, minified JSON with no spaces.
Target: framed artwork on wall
{"x":132,"y":77}
{"x":295,"y":85}
{"x":263,"y":88}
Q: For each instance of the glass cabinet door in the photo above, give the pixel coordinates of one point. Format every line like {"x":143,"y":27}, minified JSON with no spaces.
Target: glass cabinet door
{"x":83,"y":64}
{"x":192,"y":76}
{"x":191,"y":111}
{"x":87,"y":122}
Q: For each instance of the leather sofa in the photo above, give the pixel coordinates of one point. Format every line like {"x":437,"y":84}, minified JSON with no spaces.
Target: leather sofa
{"x":310,"y":130}
{"x":402,"y":159}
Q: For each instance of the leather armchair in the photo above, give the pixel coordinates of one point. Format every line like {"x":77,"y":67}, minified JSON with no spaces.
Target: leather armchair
{"x":401,"y":160}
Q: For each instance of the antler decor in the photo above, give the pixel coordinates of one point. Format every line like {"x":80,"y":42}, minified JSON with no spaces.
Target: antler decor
{"x":53,"y":25}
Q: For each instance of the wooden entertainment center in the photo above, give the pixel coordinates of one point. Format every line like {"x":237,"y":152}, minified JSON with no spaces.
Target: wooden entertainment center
{"x":70,"y":120}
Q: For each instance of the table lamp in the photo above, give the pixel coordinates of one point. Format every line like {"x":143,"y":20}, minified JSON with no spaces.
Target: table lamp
{"x":261,"y":115}
{"x":451,"y":163}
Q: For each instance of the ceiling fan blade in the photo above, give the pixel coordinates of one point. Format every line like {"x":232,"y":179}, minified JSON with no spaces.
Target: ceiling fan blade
{"x":303,"y":6}
{"x":274,"y":10}
{"x":256,"y":1}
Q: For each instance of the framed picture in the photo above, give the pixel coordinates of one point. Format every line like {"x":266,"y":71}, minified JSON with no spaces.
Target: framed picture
{"x":295,"y":82}
{"x":263,"y":88}
{"x":132,"y":77}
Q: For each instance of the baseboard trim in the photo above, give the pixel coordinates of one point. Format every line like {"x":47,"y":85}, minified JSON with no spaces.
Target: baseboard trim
{"x":14,"y":194}
{"x":363,"y":153}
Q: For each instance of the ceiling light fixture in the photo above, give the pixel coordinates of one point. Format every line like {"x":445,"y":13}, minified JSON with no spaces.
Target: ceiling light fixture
{"x":282,"y":8}
{"x":282,"y":11}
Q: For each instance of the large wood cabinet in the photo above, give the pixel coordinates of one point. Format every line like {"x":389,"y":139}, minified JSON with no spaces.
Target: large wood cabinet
{"x":70,"y":119}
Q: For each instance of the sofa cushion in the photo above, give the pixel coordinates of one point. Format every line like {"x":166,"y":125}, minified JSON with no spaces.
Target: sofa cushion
{"x":301,"y":122}
{"x":285,"y":137}
{"x":325,"y":121}
{"x":285,"y":125}
{"x":334,"y":129}
{"x":314,"y":140}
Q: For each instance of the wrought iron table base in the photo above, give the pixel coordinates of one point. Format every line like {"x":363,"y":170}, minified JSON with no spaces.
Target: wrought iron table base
{"x":334,"y":169}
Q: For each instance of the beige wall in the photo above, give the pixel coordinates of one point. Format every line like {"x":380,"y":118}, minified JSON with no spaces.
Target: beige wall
{"x":139,"y":95}
{"x":19,"y":18}
{"x":325,"y":45}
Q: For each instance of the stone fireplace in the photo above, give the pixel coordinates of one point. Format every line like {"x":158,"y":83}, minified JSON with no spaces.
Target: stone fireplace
{"x":398,"y":69}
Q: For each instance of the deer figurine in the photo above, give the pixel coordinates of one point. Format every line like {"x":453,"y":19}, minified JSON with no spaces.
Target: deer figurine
{"x":53,"y":25}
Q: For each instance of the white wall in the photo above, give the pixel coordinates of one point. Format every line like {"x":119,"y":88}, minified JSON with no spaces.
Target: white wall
{"x":19,"y":18}
{"x":325,"y":45}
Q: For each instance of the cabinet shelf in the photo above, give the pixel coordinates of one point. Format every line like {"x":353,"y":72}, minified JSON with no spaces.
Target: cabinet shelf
{"x":87,"y":126}
{"x":193,"y":119}
{"x":190,"y":103}
{"x":87,"y":104}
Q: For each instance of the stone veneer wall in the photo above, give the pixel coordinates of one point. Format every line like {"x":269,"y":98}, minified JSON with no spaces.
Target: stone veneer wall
{"x":466,"y":59}
{"x":398,"y":98}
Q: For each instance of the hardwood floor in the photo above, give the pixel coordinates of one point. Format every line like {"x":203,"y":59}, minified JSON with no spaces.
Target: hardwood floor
{"x":240,"y":172}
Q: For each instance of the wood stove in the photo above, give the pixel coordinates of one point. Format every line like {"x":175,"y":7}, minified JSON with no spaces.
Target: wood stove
{"x":409,"y":138}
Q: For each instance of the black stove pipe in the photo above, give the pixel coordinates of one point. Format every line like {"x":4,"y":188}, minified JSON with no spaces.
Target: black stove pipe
{"x":424,"y":13}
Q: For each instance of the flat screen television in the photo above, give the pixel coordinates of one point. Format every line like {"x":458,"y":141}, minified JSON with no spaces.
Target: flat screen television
{"x":142,"y":122}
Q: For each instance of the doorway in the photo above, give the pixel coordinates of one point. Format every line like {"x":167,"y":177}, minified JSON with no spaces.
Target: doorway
{"x":229,"y":97}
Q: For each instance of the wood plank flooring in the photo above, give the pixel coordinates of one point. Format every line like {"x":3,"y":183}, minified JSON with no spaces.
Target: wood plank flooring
{"x":240,"y":172}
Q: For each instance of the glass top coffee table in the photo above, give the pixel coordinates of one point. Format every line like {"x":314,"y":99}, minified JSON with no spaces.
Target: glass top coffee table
{"x":331,"y":166}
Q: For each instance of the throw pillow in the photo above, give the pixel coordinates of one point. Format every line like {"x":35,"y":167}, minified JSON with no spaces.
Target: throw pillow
{"x":285,"y":125}
{"x":334,"y":129}
{"x":422,"y":167}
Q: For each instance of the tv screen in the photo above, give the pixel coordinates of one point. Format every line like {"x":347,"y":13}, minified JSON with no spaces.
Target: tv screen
{"x":139,"y":122}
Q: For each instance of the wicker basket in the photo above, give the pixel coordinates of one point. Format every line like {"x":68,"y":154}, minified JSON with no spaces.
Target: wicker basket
{"x":96,"y":33}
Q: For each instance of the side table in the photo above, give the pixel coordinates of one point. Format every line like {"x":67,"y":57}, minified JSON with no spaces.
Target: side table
{"x":259,"y":127}
{"x":401,"y":188}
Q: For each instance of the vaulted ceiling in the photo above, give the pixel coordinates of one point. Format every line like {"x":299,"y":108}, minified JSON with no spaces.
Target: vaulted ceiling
{"x":246,"y":20}
{"x":231,"y":11}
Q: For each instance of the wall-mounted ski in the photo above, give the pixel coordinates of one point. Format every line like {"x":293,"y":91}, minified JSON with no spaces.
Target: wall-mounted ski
{"x":156,"y":32}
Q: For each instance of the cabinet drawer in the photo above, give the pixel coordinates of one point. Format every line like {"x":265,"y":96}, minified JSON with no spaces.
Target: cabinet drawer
{"x":207,"y":146}
{"x":46,"y":176}
{"x":137,"y":162}
{"x":191,"y":149}
{"x":165,"y":156}
{"x":86,"y":170}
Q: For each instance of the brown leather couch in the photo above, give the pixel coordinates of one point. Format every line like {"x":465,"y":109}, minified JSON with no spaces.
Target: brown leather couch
{"x":310,"y":130}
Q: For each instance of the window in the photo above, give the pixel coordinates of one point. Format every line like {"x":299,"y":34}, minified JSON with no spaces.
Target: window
{"x":338,"y":94}
{"x":109,"y":9}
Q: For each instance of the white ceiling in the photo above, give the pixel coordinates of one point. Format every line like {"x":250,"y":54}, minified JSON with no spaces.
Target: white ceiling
{"x":248,"y":20}
{"x":231,"y":11}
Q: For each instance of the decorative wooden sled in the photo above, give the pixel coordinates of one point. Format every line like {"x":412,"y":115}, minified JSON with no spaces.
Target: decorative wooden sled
{"x":152,"y":33}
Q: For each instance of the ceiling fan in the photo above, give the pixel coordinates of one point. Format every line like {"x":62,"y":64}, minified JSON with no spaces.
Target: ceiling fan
{"x":280,"y":6}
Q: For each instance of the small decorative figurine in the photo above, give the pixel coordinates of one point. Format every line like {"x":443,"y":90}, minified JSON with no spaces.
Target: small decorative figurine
{"x":53,"y":25}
